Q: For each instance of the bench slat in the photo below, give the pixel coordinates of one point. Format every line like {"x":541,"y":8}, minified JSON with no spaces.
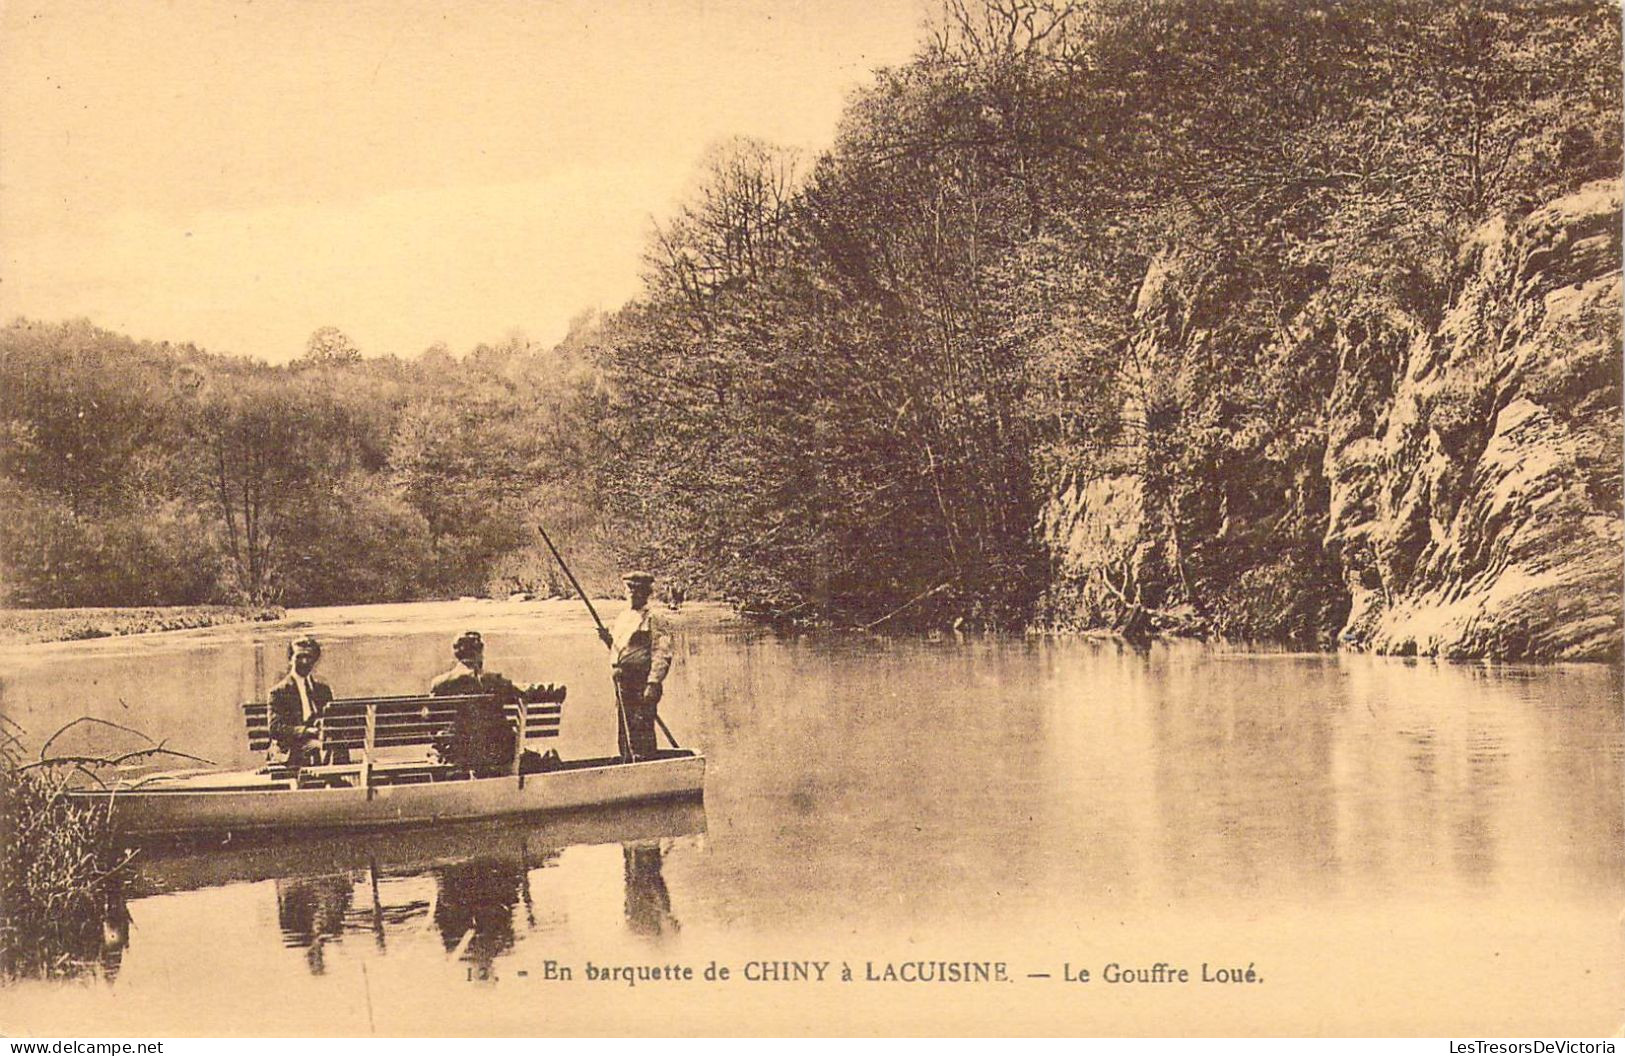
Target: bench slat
{"x":332,"y":729}
{"x":414,"y":735}
{"x":346,"y":713}
{"x":407,"y":720}
{"x":356,"y":722}
{"x":260,"y":710}
{"x":435,"y":721}
{"x":387,"y":741}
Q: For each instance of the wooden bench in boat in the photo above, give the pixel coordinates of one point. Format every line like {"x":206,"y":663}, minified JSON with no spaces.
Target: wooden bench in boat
{"x":360,"y":728}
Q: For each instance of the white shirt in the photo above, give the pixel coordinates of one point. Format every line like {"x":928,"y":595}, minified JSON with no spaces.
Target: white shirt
{"x":306,"y":690}
{"x":657,"y":653}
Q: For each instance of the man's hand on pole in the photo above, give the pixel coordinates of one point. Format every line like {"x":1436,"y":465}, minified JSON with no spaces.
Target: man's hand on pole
{"x":651,"y":693}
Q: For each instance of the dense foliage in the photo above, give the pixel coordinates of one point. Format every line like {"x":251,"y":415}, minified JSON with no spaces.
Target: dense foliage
{"x":61,"y":906}
{"x":1070,"y":242}
{"x":139,"y":474}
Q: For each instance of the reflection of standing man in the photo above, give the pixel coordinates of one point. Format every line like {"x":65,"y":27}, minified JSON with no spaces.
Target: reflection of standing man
{"x":640,"y":643}
{"x":297,"y":701}
{"x":648,"y":903}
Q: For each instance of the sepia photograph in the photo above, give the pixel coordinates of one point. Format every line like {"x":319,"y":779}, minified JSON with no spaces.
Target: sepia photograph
{"x":811,"y":518}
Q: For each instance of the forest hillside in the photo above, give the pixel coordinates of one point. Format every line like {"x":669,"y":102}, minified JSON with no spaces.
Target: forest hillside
{"x":1253,"y":318}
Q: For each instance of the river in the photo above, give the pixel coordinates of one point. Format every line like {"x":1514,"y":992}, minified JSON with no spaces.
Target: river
{"x":1392,"y":846}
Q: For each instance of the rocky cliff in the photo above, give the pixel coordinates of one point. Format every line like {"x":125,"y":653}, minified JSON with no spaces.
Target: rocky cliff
{"x":1477,"y":510}
{"x":1461,"y":493}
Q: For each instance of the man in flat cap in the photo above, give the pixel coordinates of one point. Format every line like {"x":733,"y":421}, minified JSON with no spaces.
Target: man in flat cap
{"x":481,"y":739}
{"x":640,"y":645}
{"x":296,"y":702}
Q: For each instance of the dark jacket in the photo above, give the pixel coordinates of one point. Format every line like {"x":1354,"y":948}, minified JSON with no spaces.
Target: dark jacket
{"x":288,"y":711}
{"x":481,"y":739}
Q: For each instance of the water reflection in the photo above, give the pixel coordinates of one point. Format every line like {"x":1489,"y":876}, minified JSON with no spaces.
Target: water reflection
{"x":115,"y":933}
{"x":474,"y":908}
{"x":480,"y":907}
{"x":310,"y":911}
{"x":316,"y":911}
{"x":648,"y":903}
{"x":1243,"y":777}
{"x":78,"y":935}
{"x":970,"y":796}
{"x":479,"y":877}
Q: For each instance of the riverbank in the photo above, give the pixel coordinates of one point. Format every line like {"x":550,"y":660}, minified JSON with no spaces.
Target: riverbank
{"x":27,"y":626}
{"x":58,"y":628}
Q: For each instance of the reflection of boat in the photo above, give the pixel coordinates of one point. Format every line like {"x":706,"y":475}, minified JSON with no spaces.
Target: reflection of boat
{"x":468,"y":883}
{"x":172,"y":867}
{"x":222,"y":802}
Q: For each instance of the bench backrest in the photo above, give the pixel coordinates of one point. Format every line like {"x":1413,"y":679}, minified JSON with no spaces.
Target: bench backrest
{"x":406,"y":721}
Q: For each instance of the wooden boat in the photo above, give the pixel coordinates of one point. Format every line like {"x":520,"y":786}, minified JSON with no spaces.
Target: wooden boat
{"x":224,"y":802}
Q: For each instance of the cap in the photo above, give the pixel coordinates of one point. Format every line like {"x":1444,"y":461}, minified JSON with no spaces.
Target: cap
{"x":637,"y":576}
{"x":468,"y":642}
{"x":307,"y":644}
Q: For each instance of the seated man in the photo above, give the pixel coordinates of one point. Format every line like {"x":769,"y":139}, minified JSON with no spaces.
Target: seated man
{"x":296,"y":702}
{"x":481,"y":739}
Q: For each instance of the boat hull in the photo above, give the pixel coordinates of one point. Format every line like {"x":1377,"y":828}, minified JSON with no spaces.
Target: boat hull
{"x":180,"y":810}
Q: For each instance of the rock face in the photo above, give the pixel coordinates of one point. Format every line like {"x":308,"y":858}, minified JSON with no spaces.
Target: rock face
{"x":1467,"y":493}
{"x":1476,"y":510}
{"x":1099,"y":542}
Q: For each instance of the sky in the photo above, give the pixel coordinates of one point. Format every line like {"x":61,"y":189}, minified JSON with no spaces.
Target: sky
{"x":239,"y":173}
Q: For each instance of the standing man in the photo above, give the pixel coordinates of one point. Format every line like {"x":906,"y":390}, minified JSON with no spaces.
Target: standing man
{"x":297,"y":701}
{"x":640,"y":645}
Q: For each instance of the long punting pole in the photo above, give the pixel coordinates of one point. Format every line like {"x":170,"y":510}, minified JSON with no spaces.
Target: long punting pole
{"x":572,"y":577}
{"x":620,"y":706}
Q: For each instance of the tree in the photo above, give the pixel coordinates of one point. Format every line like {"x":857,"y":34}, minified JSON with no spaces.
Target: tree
{"x":329,"y":347}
